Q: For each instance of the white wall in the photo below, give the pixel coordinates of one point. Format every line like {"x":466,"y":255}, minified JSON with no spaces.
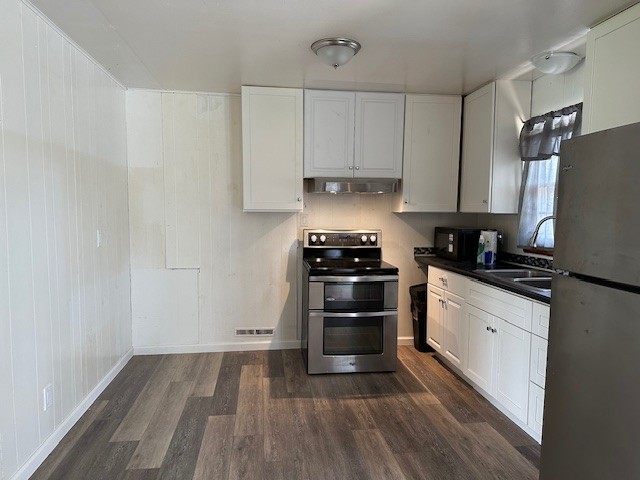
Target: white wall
{"x":64,"y":303}
{"x":214,"y":267}
{"x":549,"y":92}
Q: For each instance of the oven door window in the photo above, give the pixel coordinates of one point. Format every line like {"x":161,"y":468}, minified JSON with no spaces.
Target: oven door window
{"x":355,"y":296}
{"x":353,"y":336}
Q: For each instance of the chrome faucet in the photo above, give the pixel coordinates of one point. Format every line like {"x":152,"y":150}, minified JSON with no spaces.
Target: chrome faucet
{"x":534,"y":237}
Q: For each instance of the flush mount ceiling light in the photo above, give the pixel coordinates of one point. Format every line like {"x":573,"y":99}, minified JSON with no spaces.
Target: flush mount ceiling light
{"x":335,"y":51}
{"x":555,"y":62}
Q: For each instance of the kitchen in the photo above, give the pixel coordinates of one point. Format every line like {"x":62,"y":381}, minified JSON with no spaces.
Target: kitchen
{"x":177,"y":266}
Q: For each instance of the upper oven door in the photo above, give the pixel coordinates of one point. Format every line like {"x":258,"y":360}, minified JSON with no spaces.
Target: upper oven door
{"x":359,"y":293}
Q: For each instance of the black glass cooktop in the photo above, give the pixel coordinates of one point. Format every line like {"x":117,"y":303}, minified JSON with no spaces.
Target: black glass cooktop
{"x":337,"y":266}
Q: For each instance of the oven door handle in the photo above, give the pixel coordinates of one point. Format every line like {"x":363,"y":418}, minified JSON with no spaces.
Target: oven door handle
{"x":353,"y":278}
{"x":320,"y":313}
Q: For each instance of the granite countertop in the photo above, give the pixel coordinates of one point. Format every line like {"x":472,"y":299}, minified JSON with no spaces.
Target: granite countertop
{"x":469,"y":269}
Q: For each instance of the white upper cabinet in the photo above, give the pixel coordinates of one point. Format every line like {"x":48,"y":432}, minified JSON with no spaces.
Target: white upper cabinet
{"x":329,"y":123}
{"x":272,"y":149}
{"x":431,"y":153}
{"x":612,"y":70}
{"x":491,"y":166}
{"x":353,"y":134}
{"x":378,"y":135}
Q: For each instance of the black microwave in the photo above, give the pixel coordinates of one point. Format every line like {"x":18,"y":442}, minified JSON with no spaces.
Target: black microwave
{"x":457,"y":243}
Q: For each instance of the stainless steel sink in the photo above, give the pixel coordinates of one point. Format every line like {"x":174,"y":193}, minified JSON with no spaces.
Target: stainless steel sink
{"x":533,"y":280}
{"x":543,"y":283}
{"x":515,"y":273}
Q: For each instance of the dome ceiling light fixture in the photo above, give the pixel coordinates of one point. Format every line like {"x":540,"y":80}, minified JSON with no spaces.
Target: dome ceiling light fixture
{"x":554,"y":63}
{"x":335,"y":51}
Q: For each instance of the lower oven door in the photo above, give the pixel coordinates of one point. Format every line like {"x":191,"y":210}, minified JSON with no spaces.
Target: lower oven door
{"x":341,"y":342}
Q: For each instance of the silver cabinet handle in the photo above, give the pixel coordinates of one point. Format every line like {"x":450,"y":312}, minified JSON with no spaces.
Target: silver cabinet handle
{"x":299,"y":199}
{"x":350,"y":167}
{"x":330,"y":299}
{"x":488,"y":329}
{"x":357,"y":168}
{"x":406,"y":201}
{"x":494,"y":330}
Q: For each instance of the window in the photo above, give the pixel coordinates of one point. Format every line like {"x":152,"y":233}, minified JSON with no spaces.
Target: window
{"x":540,"y":140}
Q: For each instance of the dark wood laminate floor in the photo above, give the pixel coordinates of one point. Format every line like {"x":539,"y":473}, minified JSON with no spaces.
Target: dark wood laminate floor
{"x":259,"y":415}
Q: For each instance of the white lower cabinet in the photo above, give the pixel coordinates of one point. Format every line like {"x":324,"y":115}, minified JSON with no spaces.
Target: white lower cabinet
{"x":446,"y":322}
{"x":435,"y":297}
{"x":486,"y":332}
{"x":538,"y":366}
{"x":512,"y":381}
{"x":536,"y":408}
{"x":480,"y":353}
{"x":498,"y":360}
{"x":454,"y":307}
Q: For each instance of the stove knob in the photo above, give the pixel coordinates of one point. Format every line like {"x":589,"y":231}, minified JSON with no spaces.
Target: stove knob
{"x":373,"y":239}
{"x":323,"y":238}
{"x":363,"y":239}
{"x":314,"y":238}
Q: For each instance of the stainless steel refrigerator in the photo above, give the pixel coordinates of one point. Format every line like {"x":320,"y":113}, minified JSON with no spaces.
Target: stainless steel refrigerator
{"x":591,"y":426}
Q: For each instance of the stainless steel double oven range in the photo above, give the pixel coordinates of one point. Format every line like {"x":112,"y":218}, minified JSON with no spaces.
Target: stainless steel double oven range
{"x":350,"y":303}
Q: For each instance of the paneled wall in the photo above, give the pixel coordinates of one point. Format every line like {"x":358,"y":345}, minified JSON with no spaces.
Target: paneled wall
{"x":549,"y":92}
{"x":64,"y":239}
{"x":214,"y":267}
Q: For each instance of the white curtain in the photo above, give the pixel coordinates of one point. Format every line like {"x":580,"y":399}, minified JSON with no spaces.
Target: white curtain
{"x":540,"y":141}
{"x":538,"y":200}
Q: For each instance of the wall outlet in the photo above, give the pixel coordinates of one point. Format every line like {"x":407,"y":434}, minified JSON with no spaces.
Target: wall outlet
{"x":304,"y":219}
{"x":47,"y":397}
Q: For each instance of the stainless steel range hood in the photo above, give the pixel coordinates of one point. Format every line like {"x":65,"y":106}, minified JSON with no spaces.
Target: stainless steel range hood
{"x":352,"y":185}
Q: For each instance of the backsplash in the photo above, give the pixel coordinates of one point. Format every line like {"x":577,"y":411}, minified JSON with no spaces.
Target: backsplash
{"x":538,"y":262}
{"x":424,"y":251}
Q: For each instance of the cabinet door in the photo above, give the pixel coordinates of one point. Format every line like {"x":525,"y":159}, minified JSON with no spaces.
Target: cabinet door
{"x":611,"y":73}
{"x":480,"y":355}
{"x":378,"y":135}
{"x":536,"y":409}
{"x":454,"y":329}
{"x":540,"y":320}
{"x":272,"y":149}
{"x":491,"y":165}
{"x":477,"y":149}
{"x":538,"y":364}
{"x":435,"y":301}
{"x":512,"y":382}
{"x":431,"y":153}
{"x":329,"y":118}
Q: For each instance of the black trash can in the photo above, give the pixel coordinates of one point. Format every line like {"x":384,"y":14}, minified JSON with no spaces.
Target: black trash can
{"x":419,"y":314}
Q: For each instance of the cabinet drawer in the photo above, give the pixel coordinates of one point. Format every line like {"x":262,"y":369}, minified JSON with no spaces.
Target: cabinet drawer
{"x":511,"y":308}
{"x":451,"y":282}
{"x":538,"y":363}
{"x":540,"y":322}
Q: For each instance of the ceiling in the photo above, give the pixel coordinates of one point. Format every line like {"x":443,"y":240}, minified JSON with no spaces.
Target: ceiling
{"x":428,"y":46}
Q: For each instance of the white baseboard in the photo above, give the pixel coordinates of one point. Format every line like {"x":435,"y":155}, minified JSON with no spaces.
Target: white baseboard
{"x":217,"y":347}
{"x":230,"y":347}
{"x":40,"y":455}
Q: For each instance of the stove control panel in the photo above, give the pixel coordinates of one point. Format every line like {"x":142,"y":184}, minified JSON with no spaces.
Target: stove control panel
{"x":342,"y":238}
